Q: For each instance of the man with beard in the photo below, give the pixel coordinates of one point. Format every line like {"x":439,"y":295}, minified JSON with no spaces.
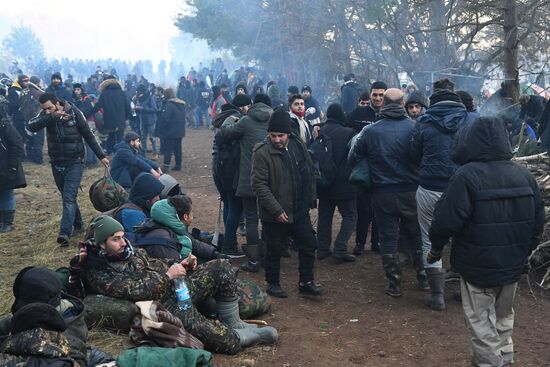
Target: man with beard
{"x":313,"y":112}
{"x":284,"y":183}
{"x":58,"y":88}
{"x":416,"y":104}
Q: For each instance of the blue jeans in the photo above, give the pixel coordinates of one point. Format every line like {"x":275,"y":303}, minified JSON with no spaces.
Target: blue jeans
{"x":199,"y":113}
{"x":90,"y":155}
{"x":7,"y":201}
{"x":148,"y":130}
{"x":67,"y":179}
{"x":232,"y":209}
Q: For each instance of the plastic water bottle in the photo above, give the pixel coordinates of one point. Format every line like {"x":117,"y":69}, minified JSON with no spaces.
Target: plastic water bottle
{"x":182,"y":294}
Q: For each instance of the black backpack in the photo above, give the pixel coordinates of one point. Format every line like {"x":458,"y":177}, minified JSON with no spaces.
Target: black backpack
{"x":320,"y":151}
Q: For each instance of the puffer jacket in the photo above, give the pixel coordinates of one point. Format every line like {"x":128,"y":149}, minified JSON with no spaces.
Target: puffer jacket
{"x":65,"y":144}
{"x":249,"y":131}
{"x":272,"y":179}
{"x":12,"y":152}
{"x":171,"y":124}
{"x":432,"y":141}
{"x":61,"y":92}
{"x":386,"y":144}
{"x":492,"y":209}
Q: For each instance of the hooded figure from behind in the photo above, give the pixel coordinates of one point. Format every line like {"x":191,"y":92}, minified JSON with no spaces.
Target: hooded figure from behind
{"x":493,"y":211}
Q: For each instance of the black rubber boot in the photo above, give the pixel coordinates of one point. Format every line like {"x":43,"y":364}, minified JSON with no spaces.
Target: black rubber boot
{"x":8,"y":221}
{"x":436,"y":300}
{"x":421,"y":275}
{"x":253,"y":254}
{"x":393,"y":274}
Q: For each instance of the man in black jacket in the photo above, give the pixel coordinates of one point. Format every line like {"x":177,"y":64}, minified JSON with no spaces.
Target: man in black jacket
{"x":340,"y":193}
{"x":65,"y":128}
{"x":394,"y":182}
{"x":493,"y":211}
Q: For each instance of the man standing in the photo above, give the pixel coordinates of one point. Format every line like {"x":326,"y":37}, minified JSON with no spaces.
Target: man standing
{"x":350,"y":93}
{"x":416,"y":104}
{"x":386,"y":145}
{"x":249,"y":131}
{"x":284,"y":183}
{"x":299,"y":125}
{"x":30,"y":108}
{"x":14,"y":99}
{"x":116,"y":110}
{"x":313,"y":112}
{"x":128,"y":162}
{"x":59,"y":89}
{"x":431,"y":148}
{"x":65,"y":128}
{"x":493,"y":211}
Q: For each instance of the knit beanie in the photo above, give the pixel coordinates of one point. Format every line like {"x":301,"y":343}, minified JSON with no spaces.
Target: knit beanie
{"x":241,"y":100}
{"x":21,"y":77}
{"x":105,"y":226}
{"x":279,"y":122}
{"x":262,"y":98}
{"x":378,"y":85}
{"x":37,"y":315}
{"x":417,"y":97}
{"x":56,"y":75}
{"x":293,"y":90}
{"x":35,"y":80}
{"x":144,"y":188}
{"x":306,"y":87}
{"x":130,"y":136}
{"x":336,"y":112}
{"x":36,"y":284}
{"x":467,"y":100}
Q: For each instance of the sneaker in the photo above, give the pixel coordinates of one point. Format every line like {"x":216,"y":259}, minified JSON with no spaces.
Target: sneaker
{"x":344,"y":258}
{"x":275,"y":290}
{"x":310,"y":289}
{"x":63,"y":240}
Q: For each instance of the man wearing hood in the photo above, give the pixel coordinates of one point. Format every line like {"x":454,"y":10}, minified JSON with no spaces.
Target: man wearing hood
{"x":416,"y":104}
{"x":350,"y":93}
{"x":249,"y":131}
{"x":127,"y":161}
{"x":274,"y":93}
{"x":394,"y":177}
{"x":431,"y":148}
{"x":66,"y":131}
{"x":493,"y":211}
{"x":59,"y":88}
{"x":116,"y":110}
{"x":340,"y":194}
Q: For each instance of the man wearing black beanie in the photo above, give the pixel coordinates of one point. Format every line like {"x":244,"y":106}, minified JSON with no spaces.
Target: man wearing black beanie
{"x":284,"y":183}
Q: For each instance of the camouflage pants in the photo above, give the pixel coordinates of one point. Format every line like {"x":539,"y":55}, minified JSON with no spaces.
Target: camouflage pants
{"x":216,"y":278}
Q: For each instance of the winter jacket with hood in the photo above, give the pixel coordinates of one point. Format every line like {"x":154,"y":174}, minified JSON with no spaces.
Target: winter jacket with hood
{"x":125,"y":159}
{"x":65,"y":144}
{"x":226,"y":153}
{"x":386,"y":144}
{"x":61,"y":92}
{"x":115,"y":104}
{"x":30,"y":106}
{"x":432,"y":142}
{"x":14,"y":93}
{"x":148,"y":109}
{"x":492,"y":209}
{"x":171,"y":124}
{"x":249,"y":131}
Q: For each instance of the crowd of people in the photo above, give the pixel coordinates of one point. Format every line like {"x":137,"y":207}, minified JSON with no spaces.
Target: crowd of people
{"x":426,"y":171}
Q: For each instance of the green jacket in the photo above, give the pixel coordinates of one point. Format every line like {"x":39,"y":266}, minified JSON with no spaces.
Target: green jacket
{"x":249,"y":130}
{"x":271,"y":181}
{"x":156,"y":356}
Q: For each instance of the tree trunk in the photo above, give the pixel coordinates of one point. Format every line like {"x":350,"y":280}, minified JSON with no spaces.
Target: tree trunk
{"x":510,"y":54}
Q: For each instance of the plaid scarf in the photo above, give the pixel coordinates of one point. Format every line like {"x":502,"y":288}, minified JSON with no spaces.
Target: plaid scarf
{"x":90,"y":255}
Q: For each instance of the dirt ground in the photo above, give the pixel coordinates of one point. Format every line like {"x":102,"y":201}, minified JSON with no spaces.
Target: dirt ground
{"x":355,"y":324}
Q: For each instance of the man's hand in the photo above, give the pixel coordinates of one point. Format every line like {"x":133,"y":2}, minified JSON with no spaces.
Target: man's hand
{"x":190,"y":262}
{"x":433,"y":256}
{"x":105,"y":162}
{"x":155,"y":173}
{"x":159,"y":171}
{"x":316,"y":130}
{"x":283,"y":218}
{"x":176,"y":270}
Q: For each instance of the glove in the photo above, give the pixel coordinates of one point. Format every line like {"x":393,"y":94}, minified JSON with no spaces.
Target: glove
{"x":433,"y":256}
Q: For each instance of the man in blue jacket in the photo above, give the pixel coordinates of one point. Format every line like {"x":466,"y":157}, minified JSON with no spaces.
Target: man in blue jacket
{"x":128,"y":162}
{"x":386,"y":144}
{"x":493,"y":211}
{"x":431,"y":148}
